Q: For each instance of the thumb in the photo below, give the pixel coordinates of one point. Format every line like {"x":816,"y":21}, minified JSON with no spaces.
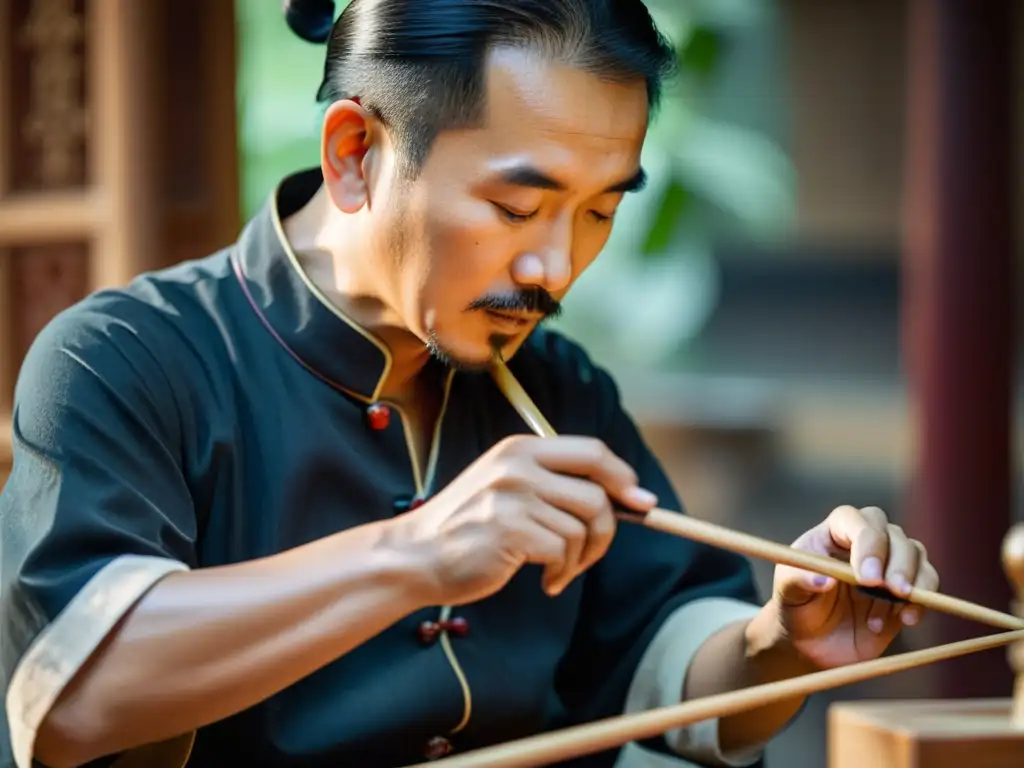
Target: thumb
{"x":795,"y":586}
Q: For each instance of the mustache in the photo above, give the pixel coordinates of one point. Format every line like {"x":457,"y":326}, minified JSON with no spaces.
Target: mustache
{"x":532,"y":300}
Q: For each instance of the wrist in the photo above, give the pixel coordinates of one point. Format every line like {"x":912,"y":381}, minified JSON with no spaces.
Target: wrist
{"x":411,"y":559}
{"x":769,"y":647}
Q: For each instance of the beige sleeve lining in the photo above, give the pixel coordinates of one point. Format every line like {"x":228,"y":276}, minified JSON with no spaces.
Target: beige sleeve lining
{"x":660,"y":678}
{"x":66,"y":644}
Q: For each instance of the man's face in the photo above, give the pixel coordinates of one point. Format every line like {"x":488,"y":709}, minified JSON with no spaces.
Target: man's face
{"x":502,"y":220}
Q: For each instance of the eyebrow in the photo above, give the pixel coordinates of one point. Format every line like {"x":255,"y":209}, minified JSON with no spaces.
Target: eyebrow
{"x":528,"y":176}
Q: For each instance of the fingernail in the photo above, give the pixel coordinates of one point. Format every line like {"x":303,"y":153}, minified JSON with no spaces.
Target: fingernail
{"x":820,"y":581}
{"x":641,"y":497}
{"x":900,"y":583}
{"x":909,"y":618}
{"x":875,"y":625}
{"x":871,"y":569}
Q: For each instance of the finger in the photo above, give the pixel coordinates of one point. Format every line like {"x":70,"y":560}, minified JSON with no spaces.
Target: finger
{"x":589,"y":503}
{"x":927,"y":579}
{"x":927,"y":575}
{"x":904,"y":558}
{"x":864,"y":533}
{"x":580,"y":497}
{"x":591,"y":458}
{"x":796,"y":586}
{"x":880,"y":616}
{"x":574,"y":534}
{"x":539,"y":545}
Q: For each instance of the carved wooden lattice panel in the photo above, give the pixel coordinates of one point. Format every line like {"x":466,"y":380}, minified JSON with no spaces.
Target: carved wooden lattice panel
{"x":47,"y":48}
{"x":45,"y":280}
{"x":46,"y":179}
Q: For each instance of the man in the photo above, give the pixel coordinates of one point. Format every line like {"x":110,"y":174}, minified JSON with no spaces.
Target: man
{"x":269,"y":509}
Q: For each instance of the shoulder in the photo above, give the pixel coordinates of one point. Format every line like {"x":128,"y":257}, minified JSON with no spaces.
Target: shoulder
{"x":137,"y":346}
{"x":578,"y":391}
{"x":156,"y":315}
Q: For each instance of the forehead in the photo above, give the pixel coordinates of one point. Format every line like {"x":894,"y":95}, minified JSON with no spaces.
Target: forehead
{"x":560,"y":118}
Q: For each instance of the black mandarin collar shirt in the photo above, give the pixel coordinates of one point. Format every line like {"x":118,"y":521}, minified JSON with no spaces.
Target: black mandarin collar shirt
{"x":221,"y":411}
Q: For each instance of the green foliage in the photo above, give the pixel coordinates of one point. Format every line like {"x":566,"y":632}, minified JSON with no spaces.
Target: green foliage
{"x":717,"y":171}
{"x":699,"y":55}
{"x":278,"y":74}
{"x":676,"y":201}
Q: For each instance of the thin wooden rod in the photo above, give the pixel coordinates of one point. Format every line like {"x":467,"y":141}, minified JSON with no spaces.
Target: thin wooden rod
{"x":725,"y":538}
{"x":557,"y":746}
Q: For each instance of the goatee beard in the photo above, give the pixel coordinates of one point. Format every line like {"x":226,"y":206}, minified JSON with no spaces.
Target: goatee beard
{"x":443,"y":355}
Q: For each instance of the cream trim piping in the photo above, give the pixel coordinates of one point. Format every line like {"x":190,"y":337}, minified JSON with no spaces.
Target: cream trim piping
{"x":421,"y":486}
{"x":633,"y":755}
{"x":414,"y":459}
{"x":64,"y":646}
{"x":446,"y":645}
{"x":660,"y":677}
{"x":436,"y":442}
{"x":294,"y":259}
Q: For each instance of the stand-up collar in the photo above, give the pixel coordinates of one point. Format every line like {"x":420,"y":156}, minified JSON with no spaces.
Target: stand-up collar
{"x":298,"y":316}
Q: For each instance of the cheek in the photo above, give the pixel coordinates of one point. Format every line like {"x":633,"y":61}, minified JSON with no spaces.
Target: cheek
{"x":468,"y":251}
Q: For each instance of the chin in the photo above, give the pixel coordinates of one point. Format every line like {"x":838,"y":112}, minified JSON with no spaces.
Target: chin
{"x":471,"y":356}
{"x":462,"y":357}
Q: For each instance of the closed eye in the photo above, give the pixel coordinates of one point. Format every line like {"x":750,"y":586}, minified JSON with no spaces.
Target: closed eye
{"x":513,"y":216}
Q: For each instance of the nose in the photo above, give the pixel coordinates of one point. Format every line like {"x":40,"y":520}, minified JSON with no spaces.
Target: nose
{"x":548,"y":264}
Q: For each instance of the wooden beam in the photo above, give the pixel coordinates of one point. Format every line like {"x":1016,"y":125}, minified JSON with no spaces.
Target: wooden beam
{"x":49,"y":217}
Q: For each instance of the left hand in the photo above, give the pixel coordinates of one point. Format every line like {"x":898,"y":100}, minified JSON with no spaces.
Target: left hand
{"x":832,"y":624}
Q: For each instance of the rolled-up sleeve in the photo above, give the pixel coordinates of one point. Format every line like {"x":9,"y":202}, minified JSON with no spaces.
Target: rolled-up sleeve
{"x":661,"y":676}
{"x":95,"y":512}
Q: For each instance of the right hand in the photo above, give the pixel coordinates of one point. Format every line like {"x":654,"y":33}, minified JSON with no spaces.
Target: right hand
{"x":544,"y":501}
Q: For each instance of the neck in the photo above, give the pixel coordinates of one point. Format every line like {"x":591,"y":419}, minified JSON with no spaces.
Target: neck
{"x":346,"y":278}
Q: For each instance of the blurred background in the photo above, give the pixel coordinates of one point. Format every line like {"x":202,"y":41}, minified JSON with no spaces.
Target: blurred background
{"x":813,"y":303}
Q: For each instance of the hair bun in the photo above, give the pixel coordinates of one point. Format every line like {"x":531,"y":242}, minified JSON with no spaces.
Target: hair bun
{"x":310,"y":19}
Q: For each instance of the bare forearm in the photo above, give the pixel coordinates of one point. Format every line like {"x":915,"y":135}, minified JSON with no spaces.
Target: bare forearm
{"x":740,"y":656}
{"x":204,"y":645}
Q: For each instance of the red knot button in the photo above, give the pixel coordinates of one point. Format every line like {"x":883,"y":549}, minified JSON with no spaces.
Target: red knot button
{"x":379,"y":416}
{"x":437,"y":748}
{"x":428,"y":631}
{"x":458,"y":627}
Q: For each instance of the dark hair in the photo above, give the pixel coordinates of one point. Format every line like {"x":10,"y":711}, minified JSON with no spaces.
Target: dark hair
{"x":418,"y":65}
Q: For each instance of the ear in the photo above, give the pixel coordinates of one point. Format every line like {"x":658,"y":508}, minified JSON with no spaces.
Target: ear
{"x":348,"y":134}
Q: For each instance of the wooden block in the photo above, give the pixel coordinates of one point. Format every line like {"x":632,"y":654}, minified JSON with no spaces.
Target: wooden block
{"x":1013,"y":564}
{"x":925,"y":734}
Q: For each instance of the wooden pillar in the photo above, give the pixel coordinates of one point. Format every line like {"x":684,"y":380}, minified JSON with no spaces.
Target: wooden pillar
{"x":959,"y":296}
{"x":118,"y":153}
{"x":124,"y":145}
